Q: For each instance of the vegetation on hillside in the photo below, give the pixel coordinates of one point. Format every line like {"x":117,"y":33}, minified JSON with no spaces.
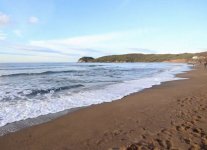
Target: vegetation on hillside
{"x":86,"y":59}
{"x":142,"y":57}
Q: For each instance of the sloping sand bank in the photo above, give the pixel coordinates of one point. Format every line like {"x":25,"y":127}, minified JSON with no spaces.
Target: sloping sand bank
{"x":169,"y":116}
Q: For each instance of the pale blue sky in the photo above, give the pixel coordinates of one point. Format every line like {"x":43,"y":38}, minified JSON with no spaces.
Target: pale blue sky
{"x":64,"y":30}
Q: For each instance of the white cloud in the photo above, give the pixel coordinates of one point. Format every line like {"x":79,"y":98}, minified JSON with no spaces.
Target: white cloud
{"x":15,"y":52}
{"x":82,"y":41}
{"x":96,"y":45}
{"x":18,"y":33}
{"x":93,"y":45}
{"x":2,"y":35}
{"x":89,"y":41}
{"x":4,"y":19}
{"x":33,"y":20}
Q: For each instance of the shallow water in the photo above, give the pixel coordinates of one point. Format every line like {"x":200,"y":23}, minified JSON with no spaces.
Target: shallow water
{"x":29,"y":90}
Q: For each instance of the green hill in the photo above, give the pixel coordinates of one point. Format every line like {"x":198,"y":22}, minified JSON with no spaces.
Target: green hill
{"x":142,"y":58}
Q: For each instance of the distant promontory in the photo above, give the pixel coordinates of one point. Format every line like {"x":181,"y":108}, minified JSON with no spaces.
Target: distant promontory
{"x":86,"y":59}
{"x":137,"y":57}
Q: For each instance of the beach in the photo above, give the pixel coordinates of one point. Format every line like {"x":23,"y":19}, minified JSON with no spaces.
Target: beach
{"x":167,"y":116}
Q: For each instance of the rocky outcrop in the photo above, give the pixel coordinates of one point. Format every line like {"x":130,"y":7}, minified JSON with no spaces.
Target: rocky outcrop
{"x":86,"y":59}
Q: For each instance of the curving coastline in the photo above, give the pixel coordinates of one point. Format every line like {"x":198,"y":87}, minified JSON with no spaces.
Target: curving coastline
{"x":170,"y":115}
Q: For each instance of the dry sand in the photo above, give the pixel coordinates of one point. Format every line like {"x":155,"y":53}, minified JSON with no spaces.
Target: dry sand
{"x":169,"y":116}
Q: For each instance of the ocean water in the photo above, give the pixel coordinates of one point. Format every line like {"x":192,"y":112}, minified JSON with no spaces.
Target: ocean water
{"x":29,"y":90}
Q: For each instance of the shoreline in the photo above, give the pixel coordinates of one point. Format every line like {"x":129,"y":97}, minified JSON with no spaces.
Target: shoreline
{"x":151,"y":116}
{"x":30,"y":122}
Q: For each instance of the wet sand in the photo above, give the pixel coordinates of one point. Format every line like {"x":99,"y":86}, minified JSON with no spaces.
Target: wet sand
{"x":169,"y":116}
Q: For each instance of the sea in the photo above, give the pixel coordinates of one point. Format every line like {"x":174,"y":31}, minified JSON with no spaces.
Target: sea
{"x":30,"y":90}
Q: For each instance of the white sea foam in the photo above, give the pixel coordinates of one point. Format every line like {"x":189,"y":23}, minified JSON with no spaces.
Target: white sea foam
{"x":21,"y":109}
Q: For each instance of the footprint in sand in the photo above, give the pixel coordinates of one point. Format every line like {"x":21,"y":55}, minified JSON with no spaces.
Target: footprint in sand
{"x":160,"y":142}
{"x":186,"y":128}
{"x":169,"y":144}
{"x":166,"y":132}
{"x":187,"y":141}
{"x":164,"y":144}
{"x":203,"y":108}
{"x":180,"y":128}
{"x":199,"y":117}
{"x":196,"y":130}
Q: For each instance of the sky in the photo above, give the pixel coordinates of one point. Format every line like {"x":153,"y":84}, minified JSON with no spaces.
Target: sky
{"x":65,"y":30}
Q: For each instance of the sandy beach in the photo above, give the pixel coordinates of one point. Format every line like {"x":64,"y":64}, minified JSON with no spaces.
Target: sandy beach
{"x":169,"y":116}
